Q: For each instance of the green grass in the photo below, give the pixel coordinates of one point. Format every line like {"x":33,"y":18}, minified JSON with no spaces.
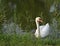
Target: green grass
{"x":26,"y":40}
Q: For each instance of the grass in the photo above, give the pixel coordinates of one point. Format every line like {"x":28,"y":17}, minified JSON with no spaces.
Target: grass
{"x":26,"y":40}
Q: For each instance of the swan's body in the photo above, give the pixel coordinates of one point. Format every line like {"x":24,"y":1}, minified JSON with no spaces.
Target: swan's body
{"x":42,"y":31}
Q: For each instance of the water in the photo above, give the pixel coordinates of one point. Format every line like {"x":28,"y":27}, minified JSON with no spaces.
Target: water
{"x":54,"y":29}
{"x":12,"y":28}
{"x":52,"y":8}
{"x":54,"y":24}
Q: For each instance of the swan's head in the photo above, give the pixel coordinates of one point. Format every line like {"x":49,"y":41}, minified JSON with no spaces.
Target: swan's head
{"x":38,"y":20}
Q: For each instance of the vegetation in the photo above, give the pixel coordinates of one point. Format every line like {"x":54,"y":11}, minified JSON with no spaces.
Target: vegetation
{"x":27,"y":40}
{"x":13,"y":10}
{"x":23,"y":13}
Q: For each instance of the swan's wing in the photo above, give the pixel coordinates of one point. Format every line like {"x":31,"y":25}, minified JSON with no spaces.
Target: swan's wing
{"x":44,"y":31}
{"x":41,"y":27}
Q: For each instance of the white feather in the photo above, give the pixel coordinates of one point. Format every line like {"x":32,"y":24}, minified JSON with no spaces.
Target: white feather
{"x":44,"y":30}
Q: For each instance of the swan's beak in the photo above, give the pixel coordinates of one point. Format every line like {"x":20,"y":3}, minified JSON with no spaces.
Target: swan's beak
{"x":40,"y":21}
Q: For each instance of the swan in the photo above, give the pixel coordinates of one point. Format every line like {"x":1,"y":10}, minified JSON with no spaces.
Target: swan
{"x":43,"y":30}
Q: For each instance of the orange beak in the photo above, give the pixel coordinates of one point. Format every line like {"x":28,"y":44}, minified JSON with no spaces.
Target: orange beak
{"x":40,"y":21}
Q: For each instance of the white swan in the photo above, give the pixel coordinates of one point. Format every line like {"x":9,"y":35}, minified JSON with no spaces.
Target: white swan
{"x":41,"y":31}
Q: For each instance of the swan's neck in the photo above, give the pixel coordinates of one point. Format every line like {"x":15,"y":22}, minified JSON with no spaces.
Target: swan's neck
{"x":38,"y":29}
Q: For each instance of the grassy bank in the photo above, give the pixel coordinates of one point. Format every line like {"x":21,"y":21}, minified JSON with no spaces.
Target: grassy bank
{"x":26,"y":40}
